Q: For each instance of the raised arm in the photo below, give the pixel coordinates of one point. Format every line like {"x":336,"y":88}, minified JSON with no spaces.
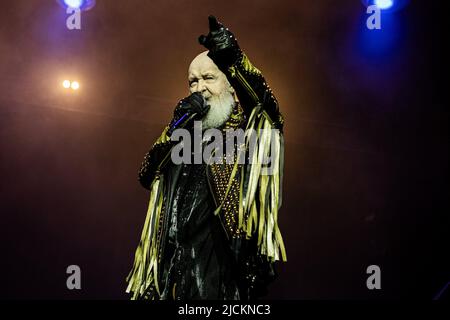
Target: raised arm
{"x":248,"y":82}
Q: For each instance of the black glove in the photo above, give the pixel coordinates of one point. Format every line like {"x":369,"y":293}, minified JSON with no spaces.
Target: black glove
{"x":187,"y":111}
{"x":221,"y":43}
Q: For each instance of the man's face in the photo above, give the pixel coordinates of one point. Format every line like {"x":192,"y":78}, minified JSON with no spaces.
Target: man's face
{"x":205,"y":77}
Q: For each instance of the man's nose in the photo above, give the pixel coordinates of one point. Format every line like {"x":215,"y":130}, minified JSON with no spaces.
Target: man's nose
{"x":200,"y":87}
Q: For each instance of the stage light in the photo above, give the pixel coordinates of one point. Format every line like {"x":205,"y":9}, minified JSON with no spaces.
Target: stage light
{"x":66,"y":84}
{"x":74,"y":3}
{"x":83,"y":5}
{"x":384,"y":4}
{"x":75,"y":85}
{"x":389,"y":6}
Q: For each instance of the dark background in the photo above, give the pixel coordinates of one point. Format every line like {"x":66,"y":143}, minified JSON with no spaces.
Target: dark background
{"x":366,"y":176}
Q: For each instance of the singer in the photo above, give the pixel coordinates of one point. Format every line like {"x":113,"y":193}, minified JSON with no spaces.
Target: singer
{"x":211,"y":230}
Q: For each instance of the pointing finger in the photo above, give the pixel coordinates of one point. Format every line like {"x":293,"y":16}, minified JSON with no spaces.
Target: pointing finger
{"x":214,"y":25}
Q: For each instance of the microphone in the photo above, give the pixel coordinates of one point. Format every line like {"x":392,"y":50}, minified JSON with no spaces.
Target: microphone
{"x":183,"y":120}
{"x":189,"y":115}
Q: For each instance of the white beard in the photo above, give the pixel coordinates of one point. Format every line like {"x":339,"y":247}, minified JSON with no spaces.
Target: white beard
{"x":220,"y":110}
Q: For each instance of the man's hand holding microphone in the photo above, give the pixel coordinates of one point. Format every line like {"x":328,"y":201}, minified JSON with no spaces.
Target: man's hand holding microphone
{"x":190,"y":109}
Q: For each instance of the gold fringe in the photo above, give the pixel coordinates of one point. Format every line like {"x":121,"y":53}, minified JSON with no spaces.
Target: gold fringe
{"x":266,"y":187}
{"x":145,"y":268}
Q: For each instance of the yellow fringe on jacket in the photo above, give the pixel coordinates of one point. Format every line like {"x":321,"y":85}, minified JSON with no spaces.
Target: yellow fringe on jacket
{"x":261,"y":216}
{"x":145,"y":268}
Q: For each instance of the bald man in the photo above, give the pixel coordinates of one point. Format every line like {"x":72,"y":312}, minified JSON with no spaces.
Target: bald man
{"x":211,"y":230}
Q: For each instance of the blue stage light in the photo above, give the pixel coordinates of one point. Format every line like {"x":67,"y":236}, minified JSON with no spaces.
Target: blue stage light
{"x":83,"y":5}
{"x":384,"y":4}
{"x":388,"y":6}
{"x":74,"y":3}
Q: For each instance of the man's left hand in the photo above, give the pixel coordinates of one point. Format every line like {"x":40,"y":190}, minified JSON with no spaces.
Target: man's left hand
{"x":221,"y":43}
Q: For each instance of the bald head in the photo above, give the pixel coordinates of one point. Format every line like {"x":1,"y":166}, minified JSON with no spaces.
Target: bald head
{"x":202,"y":60}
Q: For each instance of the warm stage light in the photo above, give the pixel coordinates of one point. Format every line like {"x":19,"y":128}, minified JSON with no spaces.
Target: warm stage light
{"x":66,"y":84}
{"x":75,"y":85}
